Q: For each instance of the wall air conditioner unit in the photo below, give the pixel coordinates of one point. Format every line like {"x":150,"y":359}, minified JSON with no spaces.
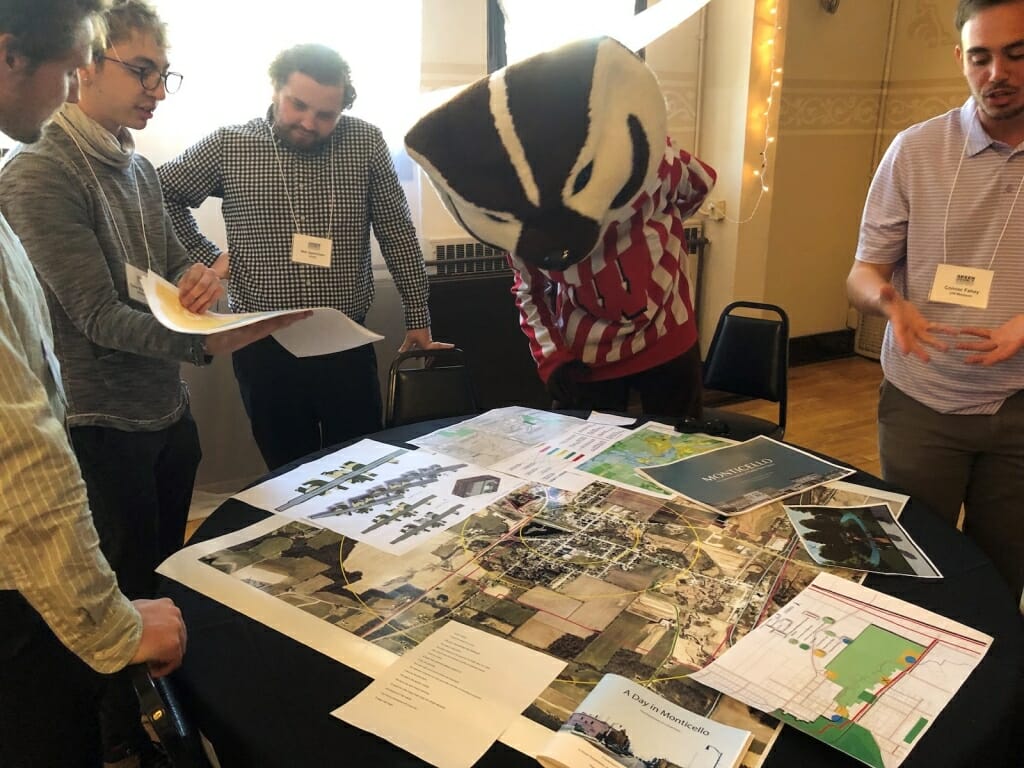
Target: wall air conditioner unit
{"x":867,"y":341}
{"x":462,"y":256}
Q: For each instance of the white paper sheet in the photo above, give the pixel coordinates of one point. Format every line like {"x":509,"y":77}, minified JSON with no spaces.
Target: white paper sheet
{"x":391,"y":498}
{"x":553,"y":461}
{"x":162,"y":297}
{"x":450,"y":698}
{"x":326,"y":332}
{"x":596,"y":417}
{"x":840,"y":659}
{"x":498,"y":434}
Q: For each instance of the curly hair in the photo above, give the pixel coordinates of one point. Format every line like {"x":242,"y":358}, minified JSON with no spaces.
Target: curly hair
{"x":126,"y":17}
{"x":323,"y":64}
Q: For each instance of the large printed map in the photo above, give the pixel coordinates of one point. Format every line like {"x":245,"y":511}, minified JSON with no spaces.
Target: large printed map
{"x":857,"y":669}
{"x":608,"y":579}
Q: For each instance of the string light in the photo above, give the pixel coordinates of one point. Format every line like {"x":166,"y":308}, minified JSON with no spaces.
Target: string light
{"x":768,"y":48}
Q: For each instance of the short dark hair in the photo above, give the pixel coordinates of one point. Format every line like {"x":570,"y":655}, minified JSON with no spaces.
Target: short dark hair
{"x":124,"y":18}
{"x":46,"y":29}
{"x":968,"y":9}
{"x":323,"y":64}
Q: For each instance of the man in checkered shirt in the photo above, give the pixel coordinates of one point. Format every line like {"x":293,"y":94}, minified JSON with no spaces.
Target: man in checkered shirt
{"x":301,"y":188}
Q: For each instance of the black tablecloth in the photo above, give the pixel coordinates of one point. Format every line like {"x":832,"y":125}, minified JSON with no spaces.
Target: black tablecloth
{"x":263,"y":699}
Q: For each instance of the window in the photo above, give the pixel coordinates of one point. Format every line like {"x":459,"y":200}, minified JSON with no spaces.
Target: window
{"x":532,"y":26}
{"x":224,"y":50}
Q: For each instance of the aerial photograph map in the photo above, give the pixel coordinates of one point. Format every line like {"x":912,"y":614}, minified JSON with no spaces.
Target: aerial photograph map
{"x":608,"y":579}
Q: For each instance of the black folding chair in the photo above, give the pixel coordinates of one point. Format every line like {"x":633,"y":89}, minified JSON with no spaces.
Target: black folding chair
{"x":428,"y":384}
{"x":749,"y":356}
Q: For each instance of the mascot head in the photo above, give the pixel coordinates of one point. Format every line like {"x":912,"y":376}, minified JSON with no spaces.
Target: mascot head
{"x":541,"y":156}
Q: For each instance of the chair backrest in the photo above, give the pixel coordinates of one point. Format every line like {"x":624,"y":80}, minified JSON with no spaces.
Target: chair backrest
{"x":750,"y":355}
{"x":161,"y":706}
{"x":441,"y":386}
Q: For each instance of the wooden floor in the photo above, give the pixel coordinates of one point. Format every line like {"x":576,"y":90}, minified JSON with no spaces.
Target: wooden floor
{"x":832,"y":409}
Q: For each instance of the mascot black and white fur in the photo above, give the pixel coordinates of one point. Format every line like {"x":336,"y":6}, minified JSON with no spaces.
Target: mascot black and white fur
{"x":562,"y":161}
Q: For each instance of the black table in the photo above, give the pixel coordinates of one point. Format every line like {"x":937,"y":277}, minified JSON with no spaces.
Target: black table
{"x":264,"y":699}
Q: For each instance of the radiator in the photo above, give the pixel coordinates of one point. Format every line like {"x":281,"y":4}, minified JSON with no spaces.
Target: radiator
{"x":461,"y":256}
{"x":867,"y":340}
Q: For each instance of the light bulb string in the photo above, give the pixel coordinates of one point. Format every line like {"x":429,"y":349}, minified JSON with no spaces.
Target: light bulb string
{"x":775,"y":84}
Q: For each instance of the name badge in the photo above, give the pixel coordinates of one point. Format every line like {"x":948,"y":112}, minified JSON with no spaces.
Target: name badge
{"x":307,"y":249}
{"x":966,"y":286}
{"x":134,"y":276}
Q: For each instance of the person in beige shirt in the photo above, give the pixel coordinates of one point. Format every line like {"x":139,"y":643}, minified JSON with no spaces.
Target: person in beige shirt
{"x":65,"y":623}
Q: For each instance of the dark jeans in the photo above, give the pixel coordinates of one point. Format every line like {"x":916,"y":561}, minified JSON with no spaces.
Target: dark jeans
{"x":49,"y":698}
{"x":670,"y":389}
{"x":298,"y":405}
{"x":140,"y":488}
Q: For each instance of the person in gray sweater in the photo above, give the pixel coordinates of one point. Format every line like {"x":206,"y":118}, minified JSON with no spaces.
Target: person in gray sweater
{"x":90,"y":214}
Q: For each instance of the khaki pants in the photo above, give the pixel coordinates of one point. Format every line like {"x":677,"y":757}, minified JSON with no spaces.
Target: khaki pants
{"x":946,"y":460}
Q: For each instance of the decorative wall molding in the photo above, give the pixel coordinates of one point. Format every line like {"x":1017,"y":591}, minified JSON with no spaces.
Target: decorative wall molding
{"x":832,"y":112}
{"x":905,"y":109}
{"x":930,"y":25}
{"x":815,"y":106}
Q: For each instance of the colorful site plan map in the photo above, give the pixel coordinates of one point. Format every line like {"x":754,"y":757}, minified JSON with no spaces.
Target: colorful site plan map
{"x":608,"y":579}
{"x":862,"y":671}
{"x":647,"y":446}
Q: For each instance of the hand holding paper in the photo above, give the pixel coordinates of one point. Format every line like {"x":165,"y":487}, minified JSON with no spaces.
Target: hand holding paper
{"x":233,"y":339}
{"x":328,"y":331}
{"x":199,"y":288}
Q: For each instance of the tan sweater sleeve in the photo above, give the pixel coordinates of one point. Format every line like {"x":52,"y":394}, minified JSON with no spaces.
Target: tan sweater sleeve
{"x":50,"y":548}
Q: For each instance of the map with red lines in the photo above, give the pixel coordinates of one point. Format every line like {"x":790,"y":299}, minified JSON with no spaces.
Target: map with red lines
{"x":862,"y":671}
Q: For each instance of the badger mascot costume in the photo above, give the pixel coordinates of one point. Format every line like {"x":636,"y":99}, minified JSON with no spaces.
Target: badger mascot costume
{"x":562,"y":161}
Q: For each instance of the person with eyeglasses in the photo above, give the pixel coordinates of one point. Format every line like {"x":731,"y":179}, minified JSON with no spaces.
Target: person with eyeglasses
{"x":89,"y":211}
{"x":149,"y":75}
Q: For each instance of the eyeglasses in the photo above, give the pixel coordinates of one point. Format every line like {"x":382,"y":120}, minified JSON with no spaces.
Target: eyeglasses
{"x":150,"y":77}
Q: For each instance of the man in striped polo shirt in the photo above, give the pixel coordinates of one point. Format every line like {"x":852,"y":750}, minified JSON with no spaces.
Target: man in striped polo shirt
{"x":941,"y":255}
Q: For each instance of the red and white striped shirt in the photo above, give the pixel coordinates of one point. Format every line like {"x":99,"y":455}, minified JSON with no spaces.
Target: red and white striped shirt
{"x":626,"y":307}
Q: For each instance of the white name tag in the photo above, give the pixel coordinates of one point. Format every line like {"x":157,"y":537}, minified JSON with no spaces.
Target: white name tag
{"x":134,"y":276}
{"x":966,"y":286}
{"x":307,"y":249}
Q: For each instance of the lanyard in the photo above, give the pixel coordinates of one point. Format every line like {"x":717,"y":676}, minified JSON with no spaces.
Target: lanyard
{"x":110,"y":210}
{"x":287,"y":193}
{"x":956,"y":177}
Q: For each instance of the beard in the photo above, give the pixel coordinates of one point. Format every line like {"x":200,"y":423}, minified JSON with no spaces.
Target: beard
{"x":1009,"y":112}
{"x":1004,"y":113}
{"x":299,"y":140}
